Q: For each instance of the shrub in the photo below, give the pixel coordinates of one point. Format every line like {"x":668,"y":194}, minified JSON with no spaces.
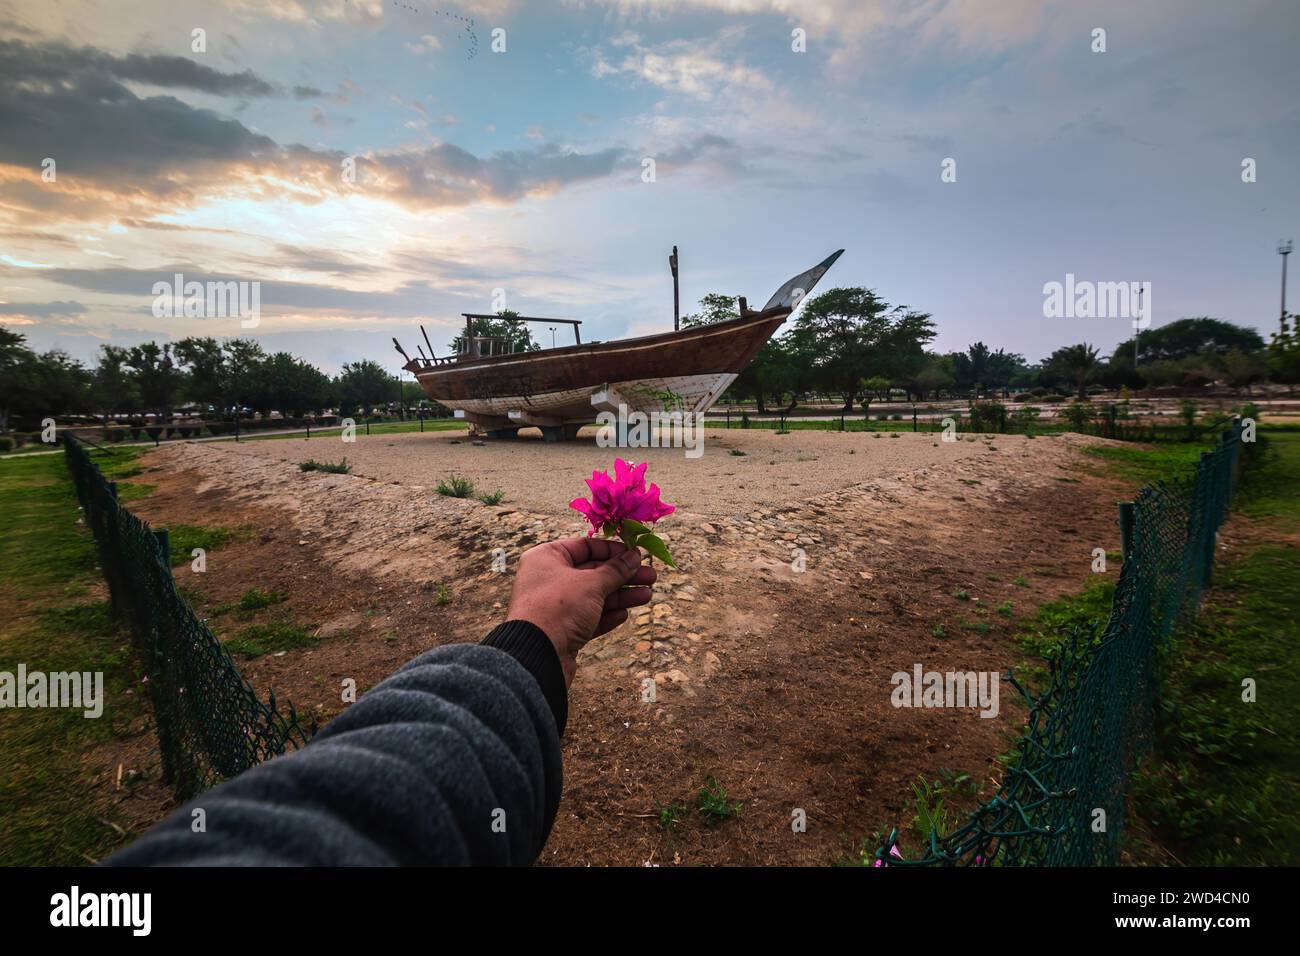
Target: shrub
{"x":1026,"y":416}
{"x":339,"y":468}
{"x":492,"y":497}
{"x":714,"y":804}
{"x":455,"y":486}
{"x":988,"y":417}
{"x":1078,"y":414}
{"x":6,"y":443}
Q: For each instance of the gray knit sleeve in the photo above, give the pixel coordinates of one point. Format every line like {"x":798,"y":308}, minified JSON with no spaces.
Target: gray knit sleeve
{"x":453,"y":760}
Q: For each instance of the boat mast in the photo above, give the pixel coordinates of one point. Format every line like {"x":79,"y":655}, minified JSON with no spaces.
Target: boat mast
{"x":677,"y":312}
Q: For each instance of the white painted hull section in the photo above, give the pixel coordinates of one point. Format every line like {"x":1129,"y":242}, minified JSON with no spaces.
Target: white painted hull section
{"x":687,"y":393}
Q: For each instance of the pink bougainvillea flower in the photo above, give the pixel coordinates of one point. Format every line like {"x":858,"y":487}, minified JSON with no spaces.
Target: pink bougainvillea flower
{"x":623,"y":505}
{"x":623,"y":496}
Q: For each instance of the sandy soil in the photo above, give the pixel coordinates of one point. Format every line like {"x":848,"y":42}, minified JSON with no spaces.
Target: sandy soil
{"x":775,"y":470}
{"x":773,"y":680}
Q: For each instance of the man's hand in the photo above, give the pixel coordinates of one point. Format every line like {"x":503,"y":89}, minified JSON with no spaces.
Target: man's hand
{"x":578,"y":589}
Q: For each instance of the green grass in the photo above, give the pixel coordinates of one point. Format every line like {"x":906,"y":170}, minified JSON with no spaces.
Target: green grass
{"x":250,"y":602}
{"x":385,"y":428}
{"x":1054,"y":620}
{"x":254,"y":599}
{"x":1144,"y":464}
{"x":182,"y":539}
{"x":269,"y":637}
{"x":56,"y":620}
{"x":492,"y":497}
{"x":1270,"y":489}
{"x":671,"y":816}
{"x":1223,"y":786}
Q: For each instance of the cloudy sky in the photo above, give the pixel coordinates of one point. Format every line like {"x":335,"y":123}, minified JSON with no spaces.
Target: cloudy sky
{"x":521,"y":169}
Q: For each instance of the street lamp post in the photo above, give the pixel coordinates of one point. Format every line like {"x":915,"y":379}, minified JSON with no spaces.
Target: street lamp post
{"x":1284,"y":249}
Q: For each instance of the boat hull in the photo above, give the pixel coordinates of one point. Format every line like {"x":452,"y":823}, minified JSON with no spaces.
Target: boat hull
{"x":674,"y":371}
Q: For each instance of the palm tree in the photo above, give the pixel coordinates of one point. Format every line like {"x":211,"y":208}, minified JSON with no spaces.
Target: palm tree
{"x":1078,"y":363}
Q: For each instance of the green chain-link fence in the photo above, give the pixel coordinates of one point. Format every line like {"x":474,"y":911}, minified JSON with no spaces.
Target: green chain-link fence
{"x":1093,"y":721}
{"x":211,"y":724}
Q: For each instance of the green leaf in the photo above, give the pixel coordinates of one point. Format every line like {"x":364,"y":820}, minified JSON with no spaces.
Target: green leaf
{"x":635,"y":527}
{"x":655,"y":545}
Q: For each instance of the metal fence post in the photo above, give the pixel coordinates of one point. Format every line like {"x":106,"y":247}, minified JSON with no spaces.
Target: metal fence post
{"x":164,"y":548}
{"x":1127,"y":521}
{"x":1208,"y":474}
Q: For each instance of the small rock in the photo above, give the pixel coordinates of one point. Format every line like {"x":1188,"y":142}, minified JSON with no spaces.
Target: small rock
{"x":675,"y":675}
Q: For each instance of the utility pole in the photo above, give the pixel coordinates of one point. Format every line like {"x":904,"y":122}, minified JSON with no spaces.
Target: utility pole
{"x":1284,"y":249}
{"x":677,"y":313}
{"x":1137,"y":328}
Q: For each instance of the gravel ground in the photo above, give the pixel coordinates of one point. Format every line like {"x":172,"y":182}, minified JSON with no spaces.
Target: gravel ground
{"x":737,"y":472}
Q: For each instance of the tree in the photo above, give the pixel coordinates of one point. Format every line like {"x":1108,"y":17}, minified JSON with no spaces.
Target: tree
{"x":1077,"y":363}
{"x":113,"y":389}
{"x":290,"y":386}
{"x":1190,"y":337}
{"x":519,"y":337}
{"x":364,"y":385}
{"x":1284,"y":351}
{"x":207,"y":381}
{"x":64,"y":383}
{"x":20,"y":379}
{"x":845,"y":336}
{"x":934,"y":376}
{"x":773,"y":372}
{"x":34,"y":386}
{"x":979,"y":369}
{"x":243,"y":374}
{"x":714,"y":307}
{"x":156,"y":376}
{"x":902,"y":355}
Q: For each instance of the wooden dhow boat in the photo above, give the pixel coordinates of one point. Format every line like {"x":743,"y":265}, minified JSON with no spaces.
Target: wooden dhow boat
{"x":498,"y":391}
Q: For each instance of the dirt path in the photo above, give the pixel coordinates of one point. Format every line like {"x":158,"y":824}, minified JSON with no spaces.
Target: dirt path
{"x":773,"y":680}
